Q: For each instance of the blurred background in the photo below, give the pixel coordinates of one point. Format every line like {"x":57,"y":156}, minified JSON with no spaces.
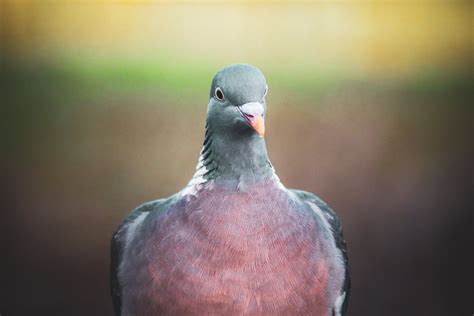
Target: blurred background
{"x":370,"y":107}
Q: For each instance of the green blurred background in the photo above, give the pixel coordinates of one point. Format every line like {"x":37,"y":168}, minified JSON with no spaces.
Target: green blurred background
{"x":370,"y":107}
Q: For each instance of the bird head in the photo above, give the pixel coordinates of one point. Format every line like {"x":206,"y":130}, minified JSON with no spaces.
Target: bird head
{"x":237,"y":101}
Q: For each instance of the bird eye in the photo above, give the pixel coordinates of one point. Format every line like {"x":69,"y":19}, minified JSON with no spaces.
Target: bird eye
{"x":219,"y":94}
{"x":266,"y":91}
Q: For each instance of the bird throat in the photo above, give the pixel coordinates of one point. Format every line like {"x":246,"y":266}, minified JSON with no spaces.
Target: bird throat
{"x":232,"y":160}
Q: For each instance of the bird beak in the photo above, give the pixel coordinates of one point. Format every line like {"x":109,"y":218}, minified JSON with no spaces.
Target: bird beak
{"x":253,"y":114}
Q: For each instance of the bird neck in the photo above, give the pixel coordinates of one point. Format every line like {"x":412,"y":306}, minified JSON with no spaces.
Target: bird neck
{"x":234,"y":159}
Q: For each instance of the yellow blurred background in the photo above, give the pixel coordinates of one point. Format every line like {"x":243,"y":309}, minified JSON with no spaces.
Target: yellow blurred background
{"x":371,"y":37}
{"x":370,"y":107}
{"x":355,"y":39}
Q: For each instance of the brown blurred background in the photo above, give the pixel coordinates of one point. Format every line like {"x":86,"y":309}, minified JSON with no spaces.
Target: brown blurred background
{"x":370,"y":107}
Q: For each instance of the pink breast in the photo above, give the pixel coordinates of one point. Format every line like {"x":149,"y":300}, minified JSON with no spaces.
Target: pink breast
{"x":261,"y":260}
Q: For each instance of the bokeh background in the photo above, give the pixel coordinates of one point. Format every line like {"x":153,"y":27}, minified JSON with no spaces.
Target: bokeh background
{"x":370,"y":107}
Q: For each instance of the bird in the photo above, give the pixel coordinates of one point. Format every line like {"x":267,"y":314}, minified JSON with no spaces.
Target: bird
{"x":234,"y":240}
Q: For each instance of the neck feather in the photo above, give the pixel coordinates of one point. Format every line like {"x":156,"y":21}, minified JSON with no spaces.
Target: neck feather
{"x":233,"y":160}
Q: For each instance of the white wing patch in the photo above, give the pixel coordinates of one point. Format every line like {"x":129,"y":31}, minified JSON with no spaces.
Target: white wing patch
{"x":338,"y":304}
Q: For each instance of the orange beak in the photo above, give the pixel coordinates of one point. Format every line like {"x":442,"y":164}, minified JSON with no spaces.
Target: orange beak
{"x":253,"y":113}
{"x":258,"y":124}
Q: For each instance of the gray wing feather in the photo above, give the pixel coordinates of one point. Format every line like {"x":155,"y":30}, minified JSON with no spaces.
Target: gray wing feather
{"x":336,"y":228}
{"x":116,"y":252}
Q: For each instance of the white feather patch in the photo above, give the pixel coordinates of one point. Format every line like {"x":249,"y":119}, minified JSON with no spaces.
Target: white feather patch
{"x":338,"y":304}
{"x":197,"y":180}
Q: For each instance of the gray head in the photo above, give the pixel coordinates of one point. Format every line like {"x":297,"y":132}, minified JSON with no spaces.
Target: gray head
{"x":237,"y":101}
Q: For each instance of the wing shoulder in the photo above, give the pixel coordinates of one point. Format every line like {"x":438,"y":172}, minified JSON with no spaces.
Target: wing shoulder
{"x":329,"y":214}
{"x":119,"y":241}
{"x":337,"y":232}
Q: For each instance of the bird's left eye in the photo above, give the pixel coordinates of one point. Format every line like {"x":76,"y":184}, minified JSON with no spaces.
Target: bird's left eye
{"x":266,"y":91}
{"x":219,"y":94}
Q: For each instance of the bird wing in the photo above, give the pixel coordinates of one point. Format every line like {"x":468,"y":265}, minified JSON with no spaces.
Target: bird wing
{"x":117,"y":249}
{"x":340,"y":243}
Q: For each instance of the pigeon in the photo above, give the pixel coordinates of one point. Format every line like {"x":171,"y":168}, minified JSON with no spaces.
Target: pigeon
{"x":235,"y":240}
